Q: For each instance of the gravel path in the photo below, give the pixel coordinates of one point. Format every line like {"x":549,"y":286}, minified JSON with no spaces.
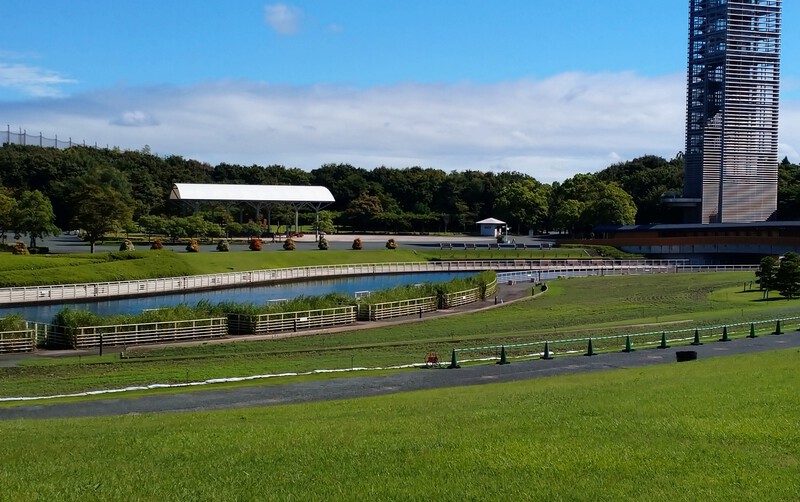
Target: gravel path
{"x":402,"y":381}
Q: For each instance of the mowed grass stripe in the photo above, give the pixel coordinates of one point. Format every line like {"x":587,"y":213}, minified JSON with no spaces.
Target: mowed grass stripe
{"x":37,"y":270}
{"x":714,"y":429}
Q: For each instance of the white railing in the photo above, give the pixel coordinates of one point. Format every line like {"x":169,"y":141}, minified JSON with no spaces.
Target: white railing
{"x":17,"y":341}
{"x":90,"y":337}
{"x":451,"y":300}
{"x":399,"y":308}
{"x":143,"y":287}
{"x":245,"y":324}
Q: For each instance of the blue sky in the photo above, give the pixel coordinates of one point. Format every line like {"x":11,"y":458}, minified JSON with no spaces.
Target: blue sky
{"x":543,"y":87}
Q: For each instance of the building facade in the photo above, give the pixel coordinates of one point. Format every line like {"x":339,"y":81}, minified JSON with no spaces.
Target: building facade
{"x":731,"y":151}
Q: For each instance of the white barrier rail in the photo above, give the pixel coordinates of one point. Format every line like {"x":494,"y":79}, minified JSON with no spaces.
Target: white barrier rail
{"x":144,"y":287}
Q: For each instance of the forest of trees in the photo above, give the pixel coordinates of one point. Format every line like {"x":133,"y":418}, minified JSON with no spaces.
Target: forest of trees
{"x":101,"y":190}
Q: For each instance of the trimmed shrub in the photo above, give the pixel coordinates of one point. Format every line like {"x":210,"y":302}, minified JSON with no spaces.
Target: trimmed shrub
{"x":223,"y":245}
{"x":391,"y":244}
{"x":126,"y":245}
{"x":289,"y":244}
{"x":255,"y":244}
{"x":323,"y":243}
{"x":193,"y":246}
{"x":357,"y":243}
{"x":20,"y":248}
{"x":156,"y":245}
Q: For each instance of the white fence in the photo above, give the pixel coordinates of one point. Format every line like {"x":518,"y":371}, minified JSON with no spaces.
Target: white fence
{"x":451,"y":300}
{"x":242,"y":324}
{"x":103,"y":290}
{"x":90,"y":337}
{"x":17,"y":341}
{"x":400,"y":308}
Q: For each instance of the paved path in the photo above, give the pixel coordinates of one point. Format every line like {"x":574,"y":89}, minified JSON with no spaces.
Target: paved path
{"x":402,"y":381}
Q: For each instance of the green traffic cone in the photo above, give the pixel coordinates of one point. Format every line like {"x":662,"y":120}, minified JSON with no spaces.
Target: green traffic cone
{"x":628,"y":344}
{"x":724,"y":335}
{"x":663,"y":341}
{"x":503,"y":359}
{"x":454,"y":361}
{"x":547,"y":351}
{"x":778,"y":328}
{"x":590,"y":349}
{"x":752,"y":331}
{"x":696,"y":338}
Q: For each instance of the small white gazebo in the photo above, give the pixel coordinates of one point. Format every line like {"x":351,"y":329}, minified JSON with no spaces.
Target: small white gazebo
{"x":491,"y":227}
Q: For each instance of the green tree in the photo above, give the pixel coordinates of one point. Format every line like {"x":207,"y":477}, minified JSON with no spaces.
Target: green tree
{"x":567,"y":215}
{"x":788,"y":277}
{"x":100,"y":210}
{"x":7,"y":206}
{"x":325,"y":222}
{"x":609,"y":204}
{"x":153,"y":225}
{"x":100,"y":202}
{"x":363,"y":211}
{"x":525,"y":201}
{"x":767,"y":274}
{"x":34,"y":216}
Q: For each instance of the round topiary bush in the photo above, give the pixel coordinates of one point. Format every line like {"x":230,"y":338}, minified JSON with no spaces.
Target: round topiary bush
{"x":157,"y":244}
{"x":255,"y":244}
{"x":126,"y":245}
{"x":289,"y":244}
{"x":20,"y":248}
{"x":323,"y":243}
{"x":193,"y":246}
{"x":357,"y":243}
{"x":223,"y":245}
{"x":391,"y":244}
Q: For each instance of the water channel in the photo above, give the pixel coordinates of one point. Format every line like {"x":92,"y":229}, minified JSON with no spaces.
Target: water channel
{"x":257,"y":294}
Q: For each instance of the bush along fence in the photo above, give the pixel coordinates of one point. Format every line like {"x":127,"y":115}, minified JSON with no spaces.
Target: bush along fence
{"x":547,"y":349}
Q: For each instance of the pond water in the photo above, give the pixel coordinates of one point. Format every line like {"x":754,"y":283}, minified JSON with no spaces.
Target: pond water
{"x":257,"y":294}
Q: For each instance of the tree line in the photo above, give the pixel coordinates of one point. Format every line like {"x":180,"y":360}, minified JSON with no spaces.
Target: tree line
{"x":101,"y":190}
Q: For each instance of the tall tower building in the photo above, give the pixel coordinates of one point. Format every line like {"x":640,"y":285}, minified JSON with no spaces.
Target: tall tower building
{"x":732,"y":110}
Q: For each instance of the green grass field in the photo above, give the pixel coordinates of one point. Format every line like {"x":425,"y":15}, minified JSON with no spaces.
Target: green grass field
{"x":572,"y":308}
{"x":715,"y":429}
{"x":40,"y":270}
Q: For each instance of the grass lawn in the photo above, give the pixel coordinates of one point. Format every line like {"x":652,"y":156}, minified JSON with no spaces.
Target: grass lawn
{"x":572,"y":308}
{"x":37,"y":270}
{"x":715,"y":429}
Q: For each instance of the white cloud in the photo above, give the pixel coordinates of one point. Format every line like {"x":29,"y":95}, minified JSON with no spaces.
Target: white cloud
{"x":550,"y":128}
{"x":31,"y":80}
{"x":135,"y":118}
{"x":283,"y":18}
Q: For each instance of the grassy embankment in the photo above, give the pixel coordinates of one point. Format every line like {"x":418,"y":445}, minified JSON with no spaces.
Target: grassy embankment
{"x":572,"y":308}
{"x":119,"y":266}
{"x":715,"y":429}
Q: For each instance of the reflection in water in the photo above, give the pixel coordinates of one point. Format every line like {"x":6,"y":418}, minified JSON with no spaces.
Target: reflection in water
{"x":258,"y":294}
